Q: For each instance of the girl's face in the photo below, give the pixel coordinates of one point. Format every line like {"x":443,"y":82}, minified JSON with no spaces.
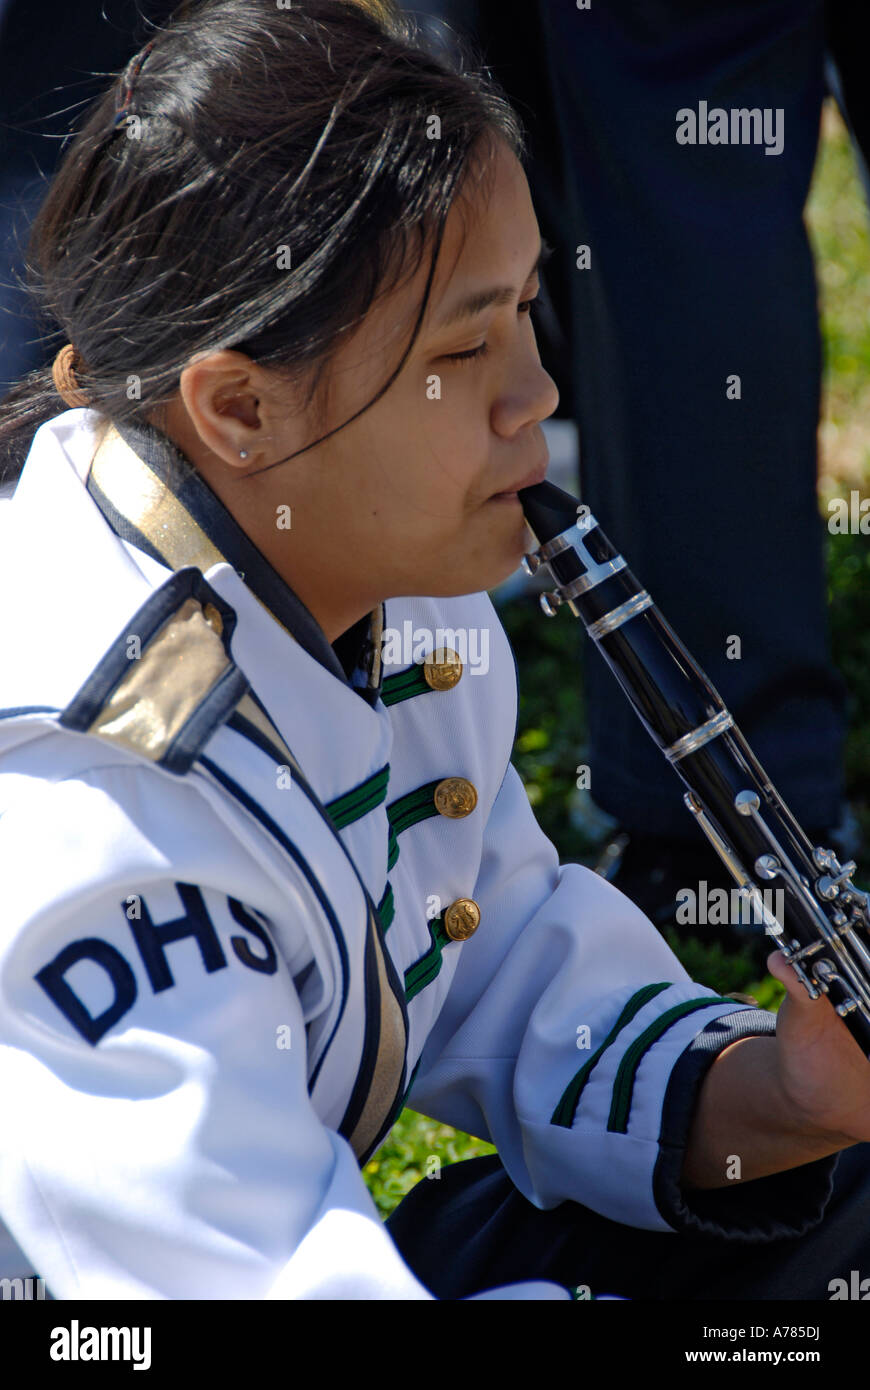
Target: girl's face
{"x":418,"y":495}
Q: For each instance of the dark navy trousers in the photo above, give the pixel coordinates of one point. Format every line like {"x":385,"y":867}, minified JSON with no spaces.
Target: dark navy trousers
{"x":472,"y":1230}
{"x":700,"y":271}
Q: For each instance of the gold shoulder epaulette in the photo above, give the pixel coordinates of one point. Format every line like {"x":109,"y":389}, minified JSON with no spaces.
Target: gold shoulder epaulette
{"x":168,"y":680}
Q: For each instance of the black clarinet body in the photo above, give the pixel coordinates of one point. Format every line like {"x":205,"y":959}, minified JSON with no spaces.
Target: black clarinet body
{"x":823,"y":923}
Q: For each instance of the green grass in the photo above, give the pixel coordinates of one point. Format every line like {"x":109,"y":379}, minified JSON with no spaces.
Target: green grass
{"x":414,"y":1150}
{"x":552,"y":723}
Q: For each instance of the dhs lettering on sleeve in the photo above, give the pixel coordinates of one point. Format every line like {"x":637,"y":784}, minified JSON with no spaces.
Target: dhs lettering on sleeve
{"x":151,"y":942}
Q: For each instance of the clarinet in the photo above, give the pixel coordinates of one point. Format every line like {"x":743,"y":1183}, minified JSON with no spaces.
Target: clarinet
{"x":825,"y":928}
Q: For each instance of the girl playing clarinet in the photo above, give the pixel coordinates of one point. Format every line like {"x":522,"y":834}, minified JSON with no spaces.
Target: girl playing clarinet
{"x":266,"y":871}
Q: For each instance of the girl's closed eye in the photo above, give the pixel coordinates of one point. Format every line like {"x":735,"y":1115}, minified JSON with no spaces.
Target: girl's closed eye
{"x":524,"y":307}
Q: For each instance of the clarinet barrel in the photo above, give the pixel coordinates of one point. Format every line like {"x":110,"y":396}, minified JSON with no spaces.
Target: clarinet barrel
{"x":822,"y":925}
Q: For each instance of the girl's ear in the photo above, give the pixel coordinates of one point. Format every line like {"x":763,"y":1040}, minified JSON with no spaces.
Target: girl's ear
{"x":239,"y":404}
{"x":216,"y":390}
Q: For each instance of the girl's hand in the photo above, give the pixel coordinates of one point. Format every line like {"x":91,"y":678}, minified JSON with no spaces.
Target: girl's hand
{"x":824,"y":1074}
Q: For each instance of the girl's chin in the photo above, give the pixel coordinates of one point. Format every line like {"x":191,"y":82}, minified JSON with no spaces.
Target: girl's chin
{"x":507,"y":556}
{"x":488,"y":559}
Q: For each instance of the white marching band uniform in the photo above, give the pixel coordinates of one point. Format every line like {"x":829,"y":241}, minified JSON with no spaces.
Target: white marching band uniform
{"x":251,"y":906}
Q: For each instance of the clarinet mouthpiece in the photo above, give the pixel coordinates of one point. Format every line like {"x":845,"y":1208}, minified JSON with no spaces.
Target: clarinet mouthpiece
{"x":549,"y":510}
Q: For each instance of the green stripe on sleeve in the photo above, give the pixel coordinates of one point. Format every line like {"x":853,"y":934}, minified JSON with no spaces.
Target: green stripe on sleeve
{"x":623,"y":1086}
{"x":567,"y":1107}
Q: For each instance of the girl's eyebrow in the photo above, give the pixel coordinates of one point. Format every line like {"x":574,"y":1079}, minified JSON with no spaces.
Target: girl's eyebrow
{"x":500,"y":294}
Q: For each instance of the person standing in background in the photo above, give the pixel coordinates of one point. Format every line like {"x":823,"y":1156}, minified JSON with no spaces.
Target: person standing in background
{"x":695,"y":381}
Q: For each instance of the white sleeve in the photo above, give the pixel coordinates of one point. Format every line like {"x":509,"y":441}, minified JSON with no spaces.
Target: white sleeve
{"x":562,"y":1026}
{"x":159,"y":1138}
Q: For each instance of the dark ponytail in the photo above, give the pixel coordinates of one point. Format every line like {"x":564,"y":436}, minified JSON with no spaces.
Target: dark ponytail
{"x":332,"y":128}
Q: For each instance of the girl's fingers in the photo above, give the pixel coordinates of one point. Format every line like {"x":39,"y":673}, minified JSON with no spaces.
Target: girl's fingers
{"x":780,"y":969}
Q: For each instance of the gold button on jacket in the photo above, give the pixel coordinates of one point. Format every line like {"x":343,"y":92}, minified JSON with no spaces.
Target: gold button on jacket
{"x":213,"y":618}
{"x":455,"y":797}
{"x":461,"y":919}
{"x":442,"y":669}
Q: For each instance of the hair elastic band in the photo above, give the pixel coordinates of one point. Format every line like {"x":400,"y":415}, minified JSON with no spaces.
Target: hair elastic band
{"x":64,"y":377}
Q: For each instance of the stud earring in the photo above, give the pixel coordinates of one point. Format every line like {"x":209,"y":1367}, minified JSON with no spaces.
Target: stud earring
{"x":243,"y":453}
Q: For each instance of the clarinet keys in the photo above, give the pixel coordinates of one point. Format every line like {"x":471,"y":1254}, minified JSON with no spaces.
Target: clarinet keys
{"x":550,"y":603}
{"x":531,"y":563}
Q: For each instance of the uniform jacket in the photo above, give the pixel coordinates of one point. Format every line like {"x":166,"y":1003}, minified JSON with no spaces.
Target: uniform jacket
{"x":258,"y":893}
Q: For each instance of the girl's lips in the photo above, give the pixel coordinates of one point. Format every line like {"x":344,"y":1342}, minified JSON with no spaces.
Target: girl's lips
{"x":537,"y":476}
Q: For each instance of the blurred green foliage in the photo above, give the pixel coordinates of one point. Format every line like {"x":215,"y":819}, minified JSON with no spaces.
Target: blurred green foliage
{"x":849,"y":609}
{"x":550,"y":743}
